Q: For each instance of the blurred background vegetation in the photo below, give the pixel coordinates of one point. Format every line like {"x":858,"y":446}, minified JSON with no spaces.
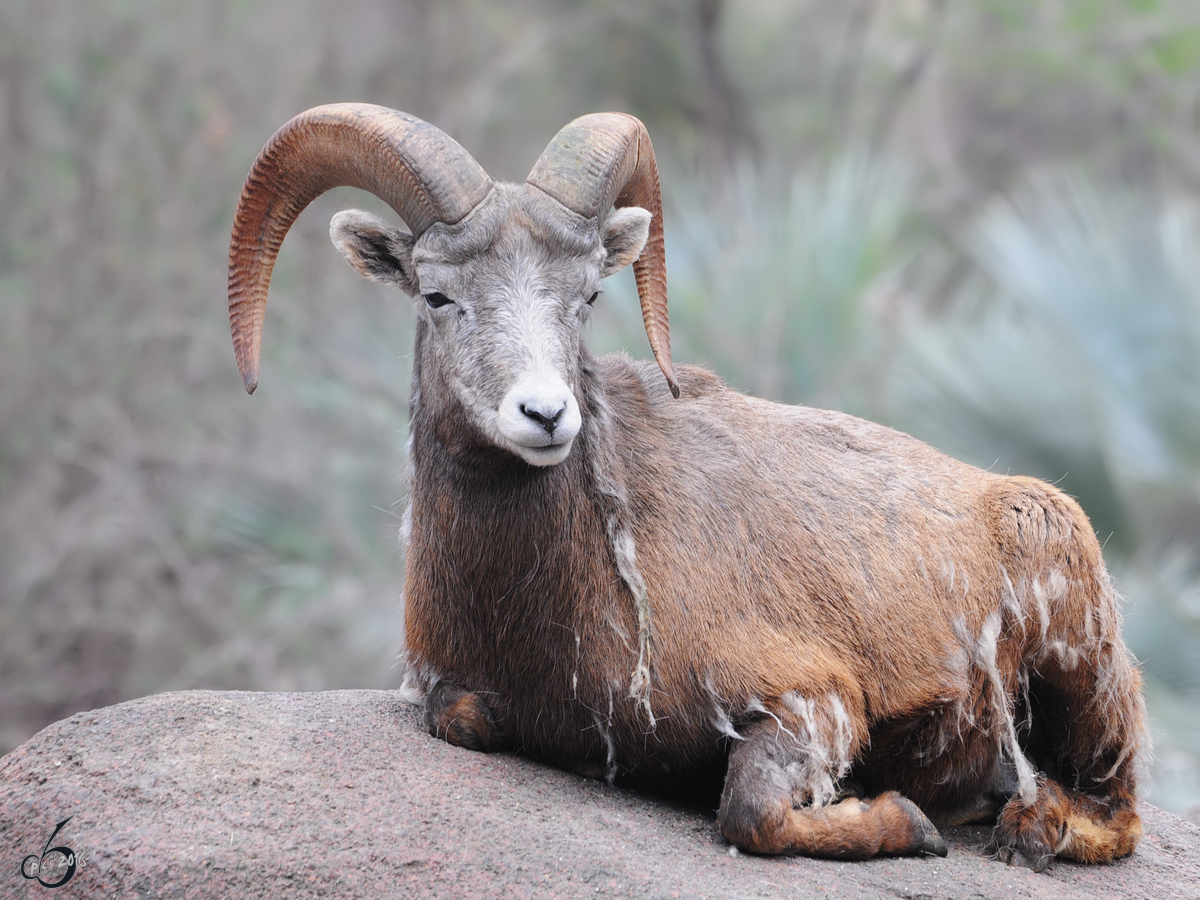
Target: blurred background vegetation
{"x":977,"y":222}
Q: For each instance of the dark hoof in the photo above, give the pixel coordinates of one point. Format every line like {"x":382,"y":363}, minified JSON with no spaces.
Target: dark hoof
{"x":460,"y":718}
{"x":927,"y":841}
{"x":1014,"y":857}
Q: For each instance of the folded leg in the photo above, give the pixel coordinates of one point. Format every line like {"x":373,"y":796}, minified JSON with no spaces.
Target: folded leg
{"x":781,"y":784}
{"x":460,"y":717}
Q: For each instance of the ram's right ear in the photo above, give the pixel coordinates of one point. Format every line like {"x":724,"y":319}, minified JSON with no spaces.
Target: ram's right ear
{"x":376,"y":249}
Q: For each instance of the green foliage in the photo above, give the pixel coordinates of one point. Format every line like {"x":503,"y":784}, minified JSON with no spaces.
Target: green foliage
{"x":1178,"y":52}
{"x":769,"y":276}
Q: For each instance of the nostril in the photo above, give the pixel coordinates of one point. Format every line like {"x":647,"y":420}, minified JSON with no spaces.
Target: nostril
{"x":548,"y":422}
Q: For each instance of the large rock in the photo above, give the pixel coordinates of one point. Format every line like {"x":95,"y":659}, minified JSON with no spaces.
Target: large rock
{"x":342,"y":795}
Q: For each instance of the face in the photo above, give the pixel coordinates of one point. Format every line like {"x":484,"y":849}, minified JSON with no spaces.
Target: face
{"x":506,"y":293}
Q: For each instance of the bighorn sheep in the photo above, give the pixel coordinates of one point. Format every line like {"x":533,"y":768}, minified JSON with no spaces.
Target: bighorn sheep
{"x":630,"y":577}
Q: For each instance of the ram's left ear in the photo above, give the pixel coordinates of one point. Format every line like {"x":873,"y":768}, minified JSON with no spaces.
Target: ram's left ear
{"x":624,"y":235}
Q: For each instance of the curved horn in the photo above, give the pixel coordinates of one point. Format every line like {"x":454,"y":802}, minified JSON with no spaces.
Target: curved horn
{"x":418,"y":170}
{"x":605,"y":159}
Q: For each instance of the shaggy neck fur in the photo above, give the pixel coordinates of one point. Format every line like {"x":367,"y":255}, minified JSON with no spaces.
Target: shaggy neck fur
{"x":521,"y":581}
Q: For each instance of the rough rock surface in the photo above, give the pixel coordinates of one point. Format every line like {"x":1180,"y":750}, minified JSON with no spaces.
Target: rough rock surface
{"x":342,"y":795}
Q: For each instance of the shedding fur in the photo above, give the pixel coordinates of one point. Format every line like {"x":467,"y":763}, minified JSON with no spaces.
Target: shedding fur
{"x":823,"y":738}
{"x":1009,"y":602}
{"x":985,"y":657}
{"x":805,"y":596}
{"x":418,"y":681}
{"x":625,"y":555}
{"x":639,"y":681}
{"x":610,"y":748}
{"x":720,"y":720}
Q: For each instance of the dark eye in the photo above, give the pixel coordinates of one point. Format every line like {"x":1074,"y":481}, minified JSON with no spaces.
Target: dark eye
{"x":436,"y":300}
{"x":592,"y":299}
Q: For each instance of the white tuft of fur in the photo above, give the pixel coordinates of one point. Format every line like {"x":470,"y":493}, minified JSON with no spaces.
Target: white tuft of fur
{"x":412,"y":693}
{"x":620,"y":538}
{"x":756,"y":706}
{"x":1008,"y":600}
{"x":947,"y":573}
{"x":985,"y":657}
{"x":720,"y":720}
{"x":610,"y":747}
{"x":964,"y":657}
{"x":575,"y":671}
{"x":406,"y":519}
{"x":406,"y":525}
{"x":843,"y":733}
{"x":626,"y":556}
{"x":824,"y":737}
{"x":1124,"y":755}
{"x":418,"y":681}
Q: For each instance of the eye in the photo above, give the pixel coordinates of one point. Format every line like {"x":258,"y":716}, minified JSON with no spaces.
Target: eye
{"x":592,"y":299}
{"x":437,"y":300}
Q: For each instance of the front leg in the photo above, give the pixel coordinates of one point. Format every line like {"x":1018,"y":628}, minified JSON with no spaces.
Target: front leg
{"x":460,"y":717}
{"x":781,"y":780}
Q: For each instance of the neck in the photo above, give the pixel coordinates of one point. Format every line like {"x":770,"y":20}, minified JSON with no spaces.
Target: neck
{"x":509,"y":565}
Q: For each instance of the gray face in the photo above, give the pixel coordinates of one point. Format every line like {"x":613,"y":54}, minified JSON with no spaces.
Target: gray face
{"x":506,"y":292}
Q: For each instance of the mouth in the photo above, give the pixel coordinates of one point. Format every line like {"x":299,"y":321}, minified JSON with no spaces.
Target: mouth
{"x":537,"y":419}
{"x":546,"y":454}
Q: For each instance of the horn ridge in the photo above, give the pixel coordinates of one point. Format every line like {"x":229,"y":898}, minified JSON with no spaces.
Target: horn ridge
{"x":606,"y":159}
{"x":414,"y":167}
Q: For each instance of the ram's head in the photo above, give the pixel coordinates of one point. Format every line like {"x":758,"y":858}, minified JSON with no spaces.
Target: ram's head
{"x":502,"y":275}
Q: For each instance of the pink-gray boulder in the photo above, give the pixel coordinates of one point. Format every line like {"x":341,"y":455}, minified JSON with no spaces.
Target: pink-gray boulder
{"x":342,"y":795}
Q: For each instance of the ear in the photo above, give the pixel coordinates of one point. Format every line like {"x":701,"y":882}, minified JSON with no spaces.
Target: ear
{"x":376,"y":249}
{"x":624,"y":235}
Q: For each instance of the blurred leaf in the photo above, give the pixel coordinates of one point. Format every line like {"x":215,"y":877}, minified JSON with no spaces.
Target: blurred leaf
{"x":1179,"y":52}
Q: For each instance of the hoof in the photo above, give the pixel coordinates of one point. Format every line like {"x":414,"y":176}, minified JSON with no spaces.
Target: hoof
{"x":1014,"y":857}
{"x":460,"y":718}
{"x":927,"y":841}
